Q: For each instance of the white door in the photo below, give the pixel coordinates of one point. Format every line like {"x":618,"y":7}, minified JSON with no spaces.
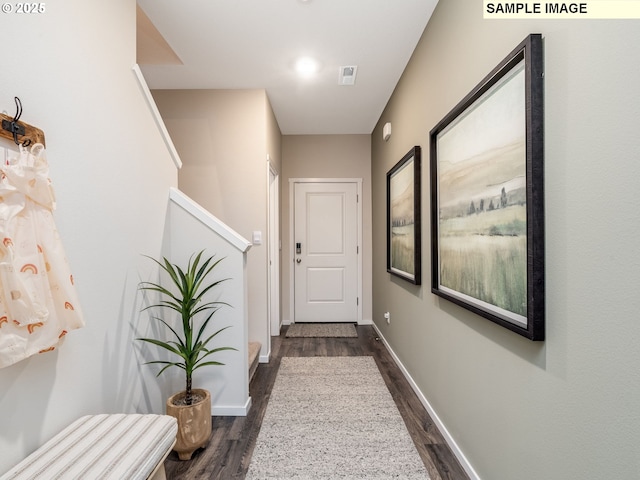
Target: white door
{"x":326,"y":252}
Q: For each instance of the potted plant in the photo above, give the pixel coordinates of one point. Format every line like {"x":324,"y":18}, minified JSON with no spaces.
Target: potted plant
{"x":191,"y":407}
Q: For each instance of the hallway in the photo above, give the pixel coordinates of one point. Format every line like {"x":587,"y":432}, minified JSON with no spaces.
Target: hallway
{"x":229,"y":451}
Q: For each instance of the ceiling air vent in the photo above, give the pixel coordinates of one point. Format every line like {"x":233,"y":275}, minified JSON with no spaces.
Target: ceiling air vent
{"x":347,"y":75}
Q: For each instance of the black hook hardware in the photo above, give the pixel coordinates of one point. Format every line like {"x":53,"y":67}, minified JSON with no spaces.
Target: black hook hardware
{"x":14,"y":127}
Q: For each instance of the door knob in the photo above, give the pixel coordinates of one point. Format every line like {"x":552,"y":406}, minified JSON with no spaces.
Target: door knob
{"x":298,"y":260}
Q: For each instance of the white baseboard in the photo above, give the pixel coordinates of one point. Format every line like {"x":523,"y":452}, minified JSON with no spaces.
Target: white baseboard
{"x":432,"y":413}
{"x":231,"y":410}
{"x":264,"y":358}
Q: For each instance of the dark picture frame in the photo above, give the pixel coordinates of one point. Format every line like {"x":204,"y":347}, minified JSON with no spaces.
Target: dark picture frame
{"x":403,"y":218}
{"x":487,"y":196}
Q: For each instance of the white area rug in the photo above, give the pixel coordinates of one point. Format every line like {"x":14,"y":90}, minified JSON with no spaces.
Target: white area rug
{"x":322,"y":330}
{"x":333,"y":418}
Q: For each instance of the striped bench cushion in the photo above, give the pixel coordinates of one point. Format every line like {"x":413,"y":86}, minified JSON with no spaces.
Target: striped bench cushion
{"x":118,"y":447}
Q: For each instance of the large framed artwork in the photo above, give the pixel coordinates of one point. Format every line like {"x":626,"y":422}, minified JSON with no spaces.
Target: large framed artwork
{"x":487,"y":196}
{"x":403,"y":218}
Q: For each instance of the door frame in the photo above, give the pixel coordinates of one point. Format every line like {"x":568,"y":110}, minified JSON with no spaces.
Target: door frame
{"x":273,"y":253}
{"x":291,"y":252}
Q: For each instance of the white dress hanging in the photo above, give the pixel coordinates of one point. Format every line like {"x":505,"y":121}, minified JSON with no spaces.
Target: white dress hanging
{"x":38,"y":301}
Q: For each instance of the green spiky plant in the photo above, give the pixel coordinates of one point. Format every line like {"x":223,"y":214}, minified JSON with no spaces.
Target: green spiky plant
{"x":189,"y":288}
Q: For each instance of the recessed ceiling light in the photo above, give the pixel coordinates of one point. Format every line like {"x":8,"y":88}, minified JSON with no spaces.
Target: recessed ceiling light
{"x":306,"y":67}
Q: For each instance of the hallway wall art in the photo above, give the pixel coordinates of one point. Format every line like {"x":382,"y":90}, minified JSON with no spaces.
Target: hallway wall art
{"x":403,"y":218}
{"x":487,"y":198}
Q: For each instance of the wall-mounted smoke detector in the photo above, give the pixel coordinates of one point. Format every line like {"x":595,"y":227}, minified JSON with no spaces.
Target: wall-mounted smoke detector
{"x":386,"y":131}
{"x":347,"y":75}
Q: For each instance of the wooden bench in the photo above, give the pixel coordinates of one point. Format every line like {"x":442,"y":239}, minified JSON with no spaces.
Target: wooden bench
{"x":114,"y":447}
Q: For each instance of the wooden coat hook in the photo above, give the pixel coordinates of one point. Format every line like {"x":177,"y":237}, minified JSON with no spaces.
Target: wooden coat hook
{"x":21,"y":133}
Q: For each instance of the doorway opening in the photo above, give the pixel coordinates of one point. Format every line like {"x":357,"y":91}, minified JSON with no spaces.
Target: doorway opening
{"x":326,"y":251}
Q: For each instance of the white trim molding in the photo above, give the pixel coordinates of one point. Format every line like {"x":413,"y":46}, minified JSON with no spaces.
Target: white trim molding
{"x":291,"y":253}
{"x":204,"y":216}
{"x":464,"y":462}
{"x":157,"y":117}
{"x":231,"y":411}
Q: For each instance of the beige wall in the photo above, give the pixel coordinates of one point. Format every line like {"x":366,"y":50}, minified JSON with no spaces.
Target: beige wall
{"x":223,"y":138}
{"x":326,"y":156}
{"x":567,"y":407}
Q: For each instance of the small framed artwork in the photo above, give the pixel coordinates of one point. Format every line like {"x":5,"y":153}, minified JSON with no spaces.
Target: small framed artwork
{"x":403,"y":218}
{"x":487,"y":196}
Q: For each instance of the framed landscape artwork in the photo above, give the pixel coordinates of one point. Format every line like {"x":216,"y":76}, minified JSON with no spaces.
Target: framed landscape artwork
{"x":403,"y":218}
{"x":487,"y":196}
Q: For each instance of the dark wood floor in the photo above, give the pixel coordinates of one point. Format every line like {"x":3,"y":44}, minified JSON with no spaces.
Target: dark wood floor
{"x":233,"y":439}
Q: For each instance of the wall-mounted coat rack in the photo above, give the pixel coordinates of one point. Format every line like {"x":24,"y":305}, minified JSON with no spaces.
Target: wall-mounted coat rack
{"x":19,"y":132}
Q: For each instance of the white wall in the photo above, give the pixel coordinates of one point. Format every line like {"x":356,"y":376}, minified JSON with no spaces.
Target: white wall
{"x":189,"y":230}
{"x":565,"y":408}
{"x":71,"y":66}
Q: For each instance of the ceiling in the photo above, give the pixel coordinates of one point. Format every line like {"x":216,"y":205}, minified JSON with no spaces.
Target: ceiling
{"x":254,"y":44}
